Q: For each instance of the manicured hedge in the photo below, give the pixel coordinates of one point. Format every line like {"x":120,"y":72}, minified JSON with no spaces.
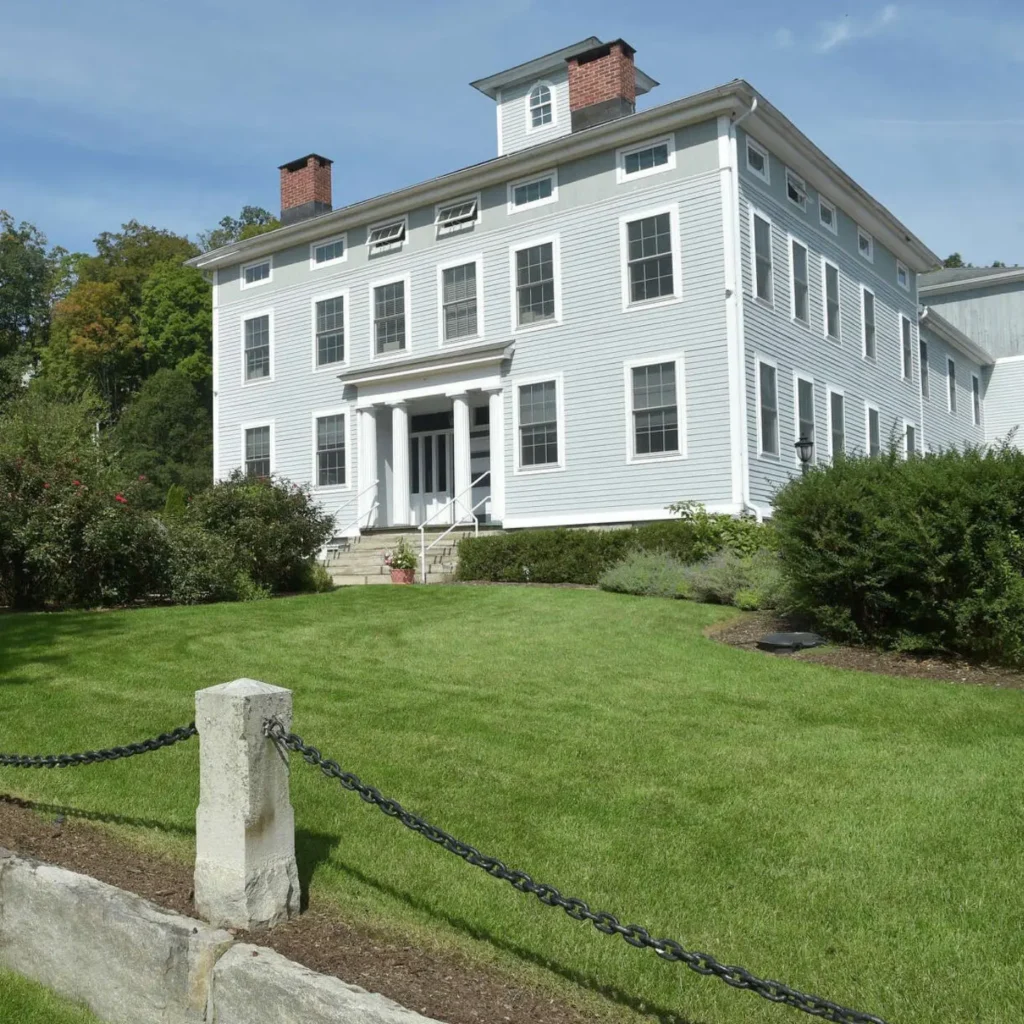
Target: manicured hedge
{"x":921,"y":554}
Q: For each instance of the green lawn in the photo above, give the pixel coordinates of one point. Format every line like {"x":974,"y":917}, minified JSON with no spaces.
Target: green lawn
{"x":852,"y":835}
{"x":23,"y":1002}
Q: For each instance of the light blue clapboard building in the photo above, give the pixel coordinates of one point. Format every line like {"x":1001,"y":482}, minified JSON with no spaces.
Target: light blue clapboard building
{"x":620,"y":310}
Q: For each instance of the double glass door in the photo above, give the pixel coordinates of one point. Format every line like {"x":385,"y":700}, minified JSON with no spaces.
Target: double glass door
{"x":430,"y":474}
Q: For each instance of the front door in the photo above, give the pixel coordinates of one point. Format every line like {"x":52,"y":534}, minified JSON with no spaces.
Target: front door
{"x":430,"y":473}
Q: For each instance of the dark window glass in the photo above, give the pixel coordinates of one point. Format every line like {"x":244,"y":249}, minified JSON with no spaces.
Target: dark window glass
{"x":650,"y":258}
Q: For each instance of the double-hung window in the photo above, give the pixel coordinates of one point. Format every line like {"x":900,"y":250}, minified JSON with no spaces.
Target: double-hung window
{"x":257,"y":347}
{"x":830,"y":274}
{"x":257,"y":451}
{"x":538,"y":425}
{"x":654,"y":398}
{"x":768,"y":408}
{"x":536,"y":292}
{"x":868,"y":320}
{"x":798,"y":265}
{"x":255,"y":273}
{"x":762,"y":232}
{"x":922,"y":347}
{"x":330,"y":451}
{"x":650,"y":261}
{"x":330,"y":330}
{"x":909,"y":439}
{"x":540,"y":105}
{"x":459,"y":302}
{"x":836,"y":423}
{"x":389,"y":318}
{"x":805,"y":413}
{"x":951,"y":386}
{"x":874,"y":432}
{"x":907,"y":339}
{"x":976,"y":399}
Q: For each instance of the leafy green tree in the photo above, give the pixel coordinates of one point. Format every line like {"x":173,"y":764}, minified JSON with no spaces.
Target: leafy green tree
{"x":166,"y":434}
{"x":252,"y":221}
{"x":954,"y":261}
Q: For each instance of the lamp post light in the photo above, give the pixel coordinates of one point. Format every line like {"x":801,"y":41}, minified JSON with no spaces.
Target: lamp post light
{"x":805,"y":449}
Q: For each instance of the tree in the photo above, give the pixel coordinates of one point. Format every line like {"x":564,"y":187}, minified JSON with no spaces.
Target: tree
{"x":954,"y":261}
{"x":176,"y":323}
{"x":252,"y":221}
{"x":166,"y":434}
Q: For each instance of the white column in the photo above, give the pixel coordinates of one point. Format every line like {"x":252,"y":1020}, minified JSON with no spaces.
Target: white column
{"x":245,"y":874}
{"x":497,"y":446}
{"x":367,"y":463}
{"x":400,"y":465}
{"x":461,"y":470}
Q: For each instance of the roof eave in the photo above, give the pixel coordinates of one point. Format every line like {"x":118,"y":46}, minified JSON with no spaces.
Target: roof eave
{"x":490,"y":85}
{"x":952,"y":335}
{"x":968,"y":283}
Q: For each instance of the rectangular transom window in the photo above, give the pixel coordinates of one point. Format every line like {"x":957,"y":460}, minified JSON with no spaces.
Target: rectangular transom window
{"x":976,"y":399}
{"x":389,"y":317}
{"x":837,"y":424}
{"x":255,"y":273}
{"x":329,"y":252}
{"x":257,"y":347}
{"x":330,"y":331}
{"x":649,"y":258}
{"x":796,"y":190}
{"x":906,"y":336}
{"x":257,"y":451}
{"x":827,"y":216}
{"x":951,"y":385}
{"x":763,"y":258}
{"x":457,"y":216}
{"x":832,"y":318}
{"x":865,"y":245}
{"x":902,"y":276}
{"x":538,"y":424}
{"x":386,"y":237}
{"x":757,"y":160}
{"x":922,"y":347}
{"x":648,"y":159}
{"x":874,"y":432}
{"x":330,"y":451}
{"x":868,"y":318}
{"x":458,"y":302}
{"x":768,"y":402}
{"x":535,"y":284}
{"x":801,"y":306}
{"x":655,"y":410}
{"x":534,"y":192}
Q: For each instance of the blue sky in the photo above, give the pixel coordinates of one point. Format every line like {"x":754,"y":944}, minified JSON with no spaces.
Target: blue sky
{"x":177,"y":113}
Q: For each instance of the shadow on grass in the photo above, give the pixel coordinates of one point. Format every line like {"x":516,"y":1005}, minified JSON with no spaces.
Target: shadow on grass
{"x":38,"y":639}
{"x":84,"y":815}
{"x":579,"y":978}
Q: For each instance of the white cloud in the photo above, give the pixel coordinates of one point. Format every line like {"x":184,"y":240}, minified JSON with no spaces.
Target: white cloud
{"x":849,"y":29}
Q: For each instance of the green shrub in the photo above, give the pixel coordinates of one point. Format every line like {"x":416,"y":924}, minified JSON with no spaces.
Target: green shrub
{"x":174,"y":505}
{"x":920,"y":554}
{"x":750,"y":582}
{"x":203,"y":566}
{"x":247,"y":589}
{"x":648,"y":574}
{"x":317,"y":579}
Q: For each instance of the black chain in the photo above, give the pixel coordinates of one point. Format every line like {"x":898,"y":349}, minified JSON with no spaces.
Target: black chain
{"x":165,"y":739}
{"x":608,"y":924}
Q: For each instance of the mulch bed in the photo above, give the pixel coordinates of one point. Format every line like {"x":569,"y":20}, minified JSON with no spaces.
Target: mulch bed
{"x":439,"y":985}
{"x":746,"y":630}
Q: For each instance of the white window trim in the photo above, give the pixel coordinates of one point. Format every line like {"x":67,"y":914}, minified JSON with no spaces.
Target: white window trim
{"x":556,"y":256}
{"x":865,"y":290}
{"x":825,"y":263}
{"x":977,"y":413}
{"x":458,"y":229}
{"x":530,"y":129}
{"x":799,"y":375}
{"x":672,"y":209}
{"x":656,"y":457}
{"x":347,"y":411}
{"x":541,"y":378}
{"x":313,"y":246}
{"x":478,"y":260}
{"x":253,"y":425}
{"x":255,"y":263}
{"x":907,"y":378}
{"x":806,"y":324}
{"x":802,"y":187}
{"x":868,"y":408}
{"x":903,"y":442}
{"x":950,"y":391}
{"x":906,"y":273}
{"x":766,"y":175}
{"x":399,"y":247}
{"x":829,"y":392}
{"x":337,"y":293}
{"x":832,"y":229}
{"x":755,"y":212}
{"x":621,"y":154}
{"x":761,"y":453}
{"x":252,"y":315}
{"x":870,"y":254}
{"x":513,"y":185}
{"x":378,"y":283}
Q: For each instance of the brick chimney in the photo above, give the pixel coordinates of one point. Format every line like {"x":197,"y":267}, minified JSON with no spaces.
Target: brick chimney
{"x":305,"y":188}
{"x":602,"y":84}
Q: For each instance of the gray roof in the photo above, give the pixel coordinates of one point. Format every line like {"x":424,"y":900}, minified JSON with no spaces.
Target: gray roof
{"x":954,"y":275}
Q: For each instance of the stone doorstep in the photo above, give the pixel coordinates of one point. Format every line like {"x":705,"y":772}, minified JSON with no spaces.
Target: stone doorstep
{"x":132,"y":962}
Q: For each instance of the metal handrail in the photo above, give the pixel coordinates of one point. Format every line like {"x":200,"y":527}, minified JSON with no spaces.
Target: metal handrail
{"x":355,"y":522}
{"x":457,"y":500}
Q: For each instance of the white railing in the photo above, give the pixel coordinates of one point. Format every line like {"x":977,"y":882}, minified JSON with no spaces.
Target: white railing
{"x":469,"y":516}
{"x":367,"y":515}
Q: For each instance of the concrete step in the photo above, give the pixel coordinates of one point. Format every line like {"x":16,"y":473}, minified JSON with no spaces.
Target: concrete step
{"x":363,"y":580}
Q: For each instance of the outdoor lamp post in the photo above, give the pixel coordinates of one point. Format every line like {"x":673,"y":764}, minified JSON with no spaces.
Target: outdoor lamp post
{"x":805,"y":449}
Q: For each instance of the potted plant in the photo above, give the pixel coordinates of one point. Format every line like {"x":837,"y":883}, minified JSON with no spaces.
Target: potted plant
{"x":402,"y":562}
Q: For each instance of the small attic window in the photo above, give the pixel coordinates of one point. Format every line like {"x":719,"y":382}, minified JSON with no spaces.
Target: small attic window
{"x":457,"y":216}
{"x":541,"y":107}
{"x":386,"y":237}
